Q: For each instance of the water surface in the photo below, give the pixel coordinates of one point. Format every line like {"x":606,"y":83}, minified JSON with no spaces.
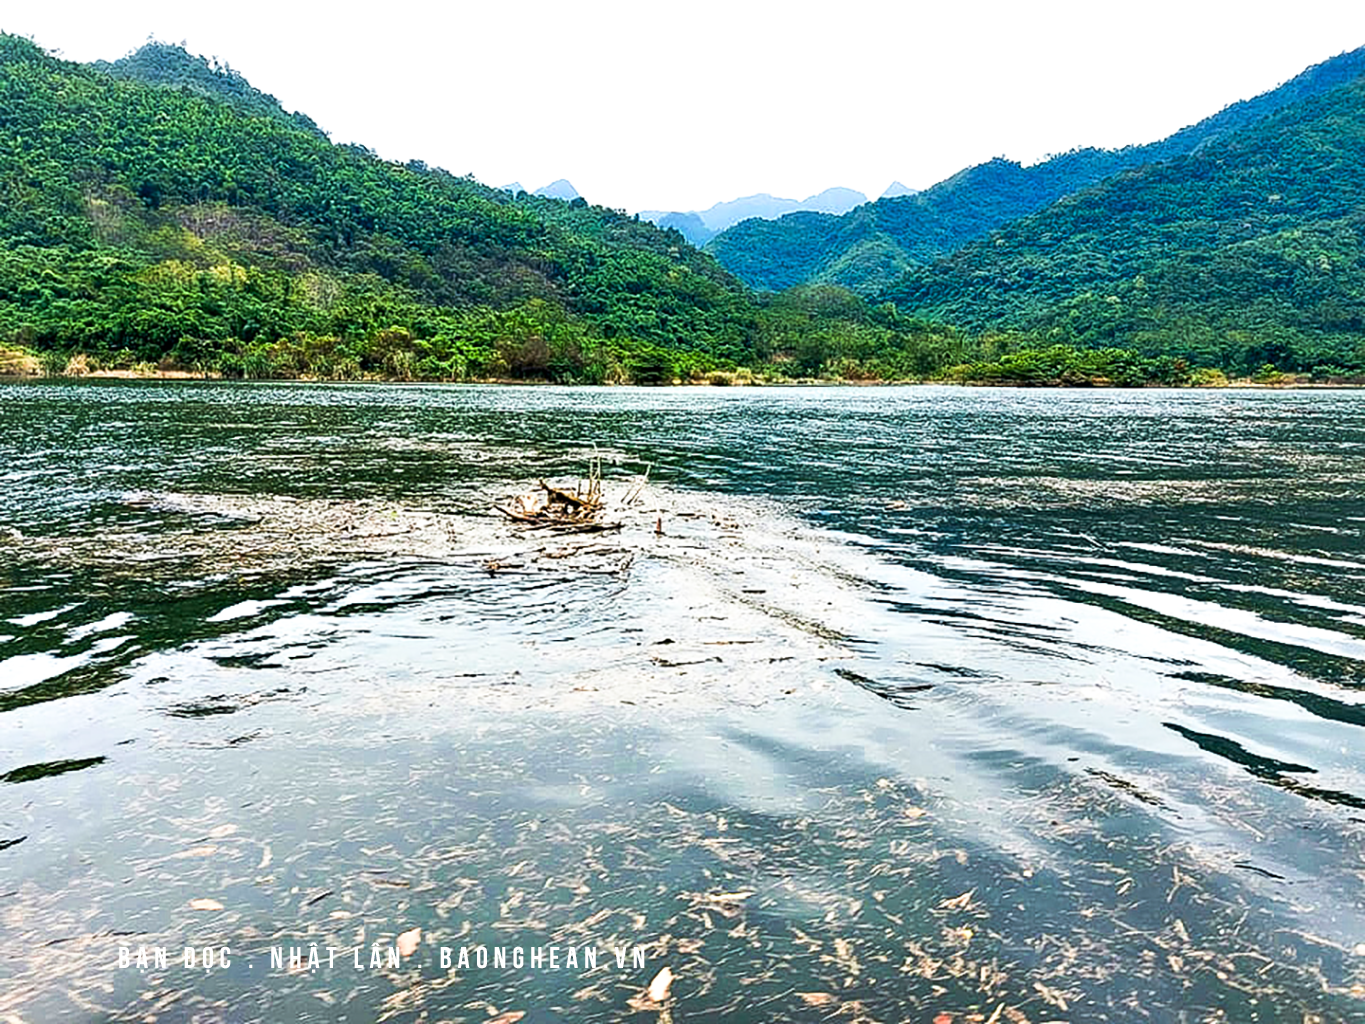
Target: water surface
{"x":1005,"y":705}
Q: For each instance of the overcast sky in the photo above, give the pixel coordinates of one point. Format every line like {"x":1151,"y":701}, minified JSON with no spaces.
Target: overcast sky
{"x":676,"y":106}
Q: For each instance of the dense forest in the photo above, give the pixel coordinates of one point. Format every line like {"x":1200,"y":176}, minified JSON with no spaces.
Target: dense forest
{"x":870,"y":247}
{"x":143,"y":221}
{"x":169,"y":65}
{"x":161,"y":213}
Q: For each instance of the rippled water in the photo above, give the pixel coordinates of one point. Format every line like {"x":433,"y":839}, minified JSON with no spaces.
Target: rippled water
{"x":1004,"y":705}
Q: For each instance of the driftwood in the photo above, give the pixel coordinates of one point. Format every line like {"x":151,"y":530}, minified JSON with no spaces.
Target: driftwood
{"x":563,"y":511}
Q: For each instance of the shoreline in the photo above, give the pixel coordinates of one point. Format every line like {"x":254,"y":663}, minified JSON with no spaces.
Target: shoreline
{"x":1242,"y":384}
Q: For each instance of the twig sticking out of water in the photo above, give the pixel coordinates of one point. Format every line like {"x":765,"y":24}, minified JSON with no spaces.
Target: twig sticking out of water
{"x":633,"y":495}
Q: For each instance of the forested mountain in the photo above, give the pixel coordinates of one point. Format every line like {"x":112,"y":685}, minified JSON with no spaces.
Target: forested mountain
{"x":1249,"y":251}
{"x":874,"y":244}
{"x":193,"y":219}
{"x":171,"y":66}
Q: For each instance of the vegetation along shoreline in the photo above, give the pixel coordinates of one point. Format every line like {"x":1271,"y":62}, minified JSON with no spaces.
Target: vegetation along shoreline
{"x":18,"y":364}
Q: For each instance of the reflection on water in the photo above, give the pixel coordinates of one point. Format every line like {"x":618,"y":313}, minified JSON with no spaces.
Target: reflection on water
{"x":1022,"y":705}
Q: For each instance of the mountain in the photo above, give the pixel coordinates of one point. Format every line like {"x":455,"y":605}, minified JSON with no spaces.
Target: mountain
{"x":1247,"y":251}
{"x":689,"y":225}
{"x":513,"y":187}
{"x":873,"y":245}
{"x":834,"y":200}
{"x":700,"y":227}
{"x":198,"y":226}
{"x":163,"y":64}
{"x":896,"y":189}
{"x":560,"y":189}
{"x":190,"y":221}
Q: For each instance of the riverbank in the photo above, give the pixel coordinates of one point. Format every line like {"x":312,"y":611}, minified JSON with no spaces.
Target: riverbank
{"x":1294,"y":383}
{"x":1067,"y":369}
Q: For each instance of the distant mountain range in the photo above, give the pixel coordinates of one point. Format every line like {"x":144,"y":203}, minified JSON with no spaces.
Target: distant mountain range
{"x":870,"y":247}
{"x":699,"y":227}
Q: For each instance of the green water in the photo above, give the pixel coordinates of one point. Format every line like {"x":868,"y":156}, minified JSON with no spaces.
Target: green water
{"x":1029,"y":705}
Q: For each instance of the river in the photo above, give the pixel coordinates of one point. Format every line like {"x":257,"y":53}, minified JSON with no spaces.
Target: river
{"x":884,"y":704}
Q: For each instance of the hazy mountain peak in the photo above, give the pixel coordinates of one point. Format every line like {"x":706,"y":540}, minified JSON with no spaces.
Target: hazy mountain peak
{"x":897,"y":189}
{"x":689,"y":225}
{"x":559,"y":189}
{"x":514,"y":188}
{"x":834,"y":200}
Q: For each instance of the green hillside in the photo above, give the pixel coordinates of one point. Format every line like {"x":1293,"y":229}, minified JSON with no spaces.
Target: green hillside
{"x":172,"y":67}
{"x":199,"y":224}
{"x":870,"y":247}
{"x":1247,"y":252}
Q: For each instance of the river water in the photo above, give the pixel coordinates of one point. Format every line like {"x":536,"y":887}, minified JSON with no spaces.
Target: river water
{"x":893,"y":704}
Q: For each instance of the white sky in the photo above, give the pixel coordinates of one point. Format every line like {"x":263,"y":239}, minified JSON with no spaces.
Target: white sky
{"x":676,"y":106}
